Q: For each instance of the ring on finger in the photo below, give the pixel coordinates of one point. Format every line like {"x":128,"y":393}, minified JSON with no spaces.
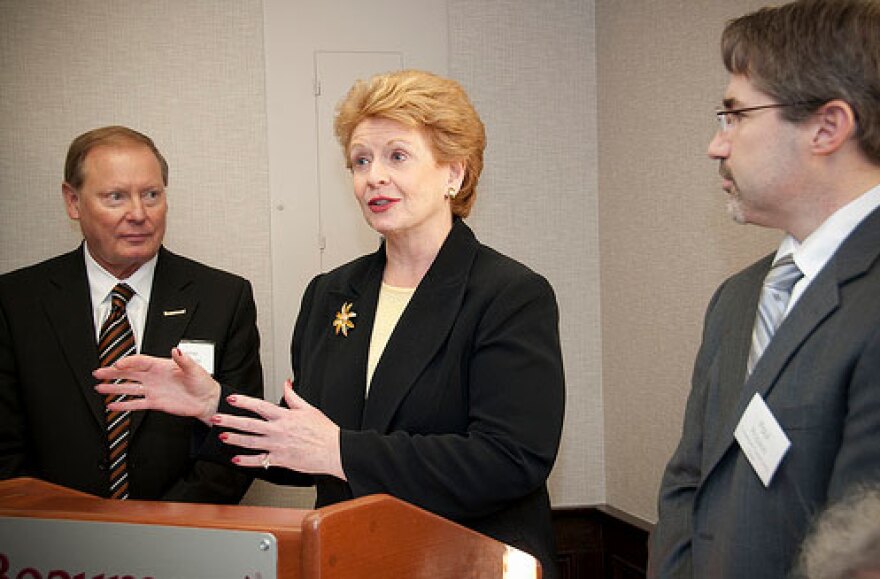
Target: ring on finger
{"x":265,"y":462}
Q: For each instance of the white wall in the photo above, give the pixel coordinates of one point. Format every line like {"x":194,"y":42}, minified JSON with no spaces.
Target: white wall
{"x":666,"y":239}
{"x":530,"y":68}
{"x":227,"y":91}
{"x":189,"y":74}
{"x":513,"y":57}
{"x":575,"y":157}
{"x":294,"y":32}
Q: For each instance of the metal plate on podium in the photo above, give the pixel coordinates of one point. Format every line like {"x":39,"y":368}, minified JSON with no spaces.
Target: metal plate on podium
{"x":66,"y":548}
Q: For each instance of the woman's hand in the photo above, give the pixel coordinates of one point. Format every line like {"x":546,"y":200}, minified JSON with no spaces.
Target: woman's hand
{"x":300,"y":437}
{"x":177,"y":386}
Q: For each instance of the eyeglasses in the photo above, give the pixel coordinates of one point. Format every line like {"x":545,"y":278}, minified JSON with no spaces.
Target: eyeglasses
{"x":728,"y":118}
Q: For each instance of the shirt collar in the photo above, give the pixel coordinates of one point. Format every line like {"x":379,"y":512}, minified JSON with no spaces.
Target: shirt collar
{"x":817,"y":249}
{"x":101,"y":282}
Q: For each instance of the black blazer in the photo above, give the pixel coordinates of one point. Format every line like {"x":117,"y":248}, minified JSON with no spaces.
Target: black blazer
{"x":820,"y":377}
{"x":52,"y":420}
{"x":466,"y":404}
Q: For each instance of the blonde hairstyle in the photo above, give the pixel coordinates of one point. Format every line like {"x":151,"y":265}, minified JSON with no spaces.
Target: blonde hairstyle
{"x":113,"y":135}
{"x":435,"y":105}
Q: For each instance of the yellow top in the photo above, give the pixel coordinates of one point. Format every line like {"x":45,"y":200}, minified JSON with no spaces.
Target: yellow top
{"x":392,"y":302}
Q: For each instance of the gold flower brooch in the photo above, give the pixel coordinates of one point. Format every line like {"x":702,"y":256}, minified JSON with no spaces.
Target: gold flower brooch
{"x":343,"y":322}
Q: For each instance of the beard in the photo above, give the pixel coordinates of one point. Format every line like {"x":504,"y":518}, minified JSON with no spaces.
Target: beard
{"x":734,"y":199}
{"x":734,"y":206}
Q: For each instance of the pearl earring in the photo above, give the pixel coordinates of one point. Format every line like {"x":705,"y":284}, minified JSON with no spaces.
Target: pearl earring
{"x":451,"y":193}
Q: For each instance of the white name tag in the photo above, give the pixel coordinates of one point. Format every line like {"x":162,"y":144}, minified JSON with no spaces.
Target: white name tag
{"x":761,"y":439}
{"x":201,"y":351}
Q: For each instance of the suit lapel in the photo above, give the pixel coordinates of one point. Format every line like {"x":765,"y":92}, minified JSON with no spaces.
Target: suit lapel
{"x":817,"y":303}
{"x":344,"y":376}
{"x":68,"y":306}
{"x":423,"y":327}
{"x":734,"y":347}
{"x":171,"y":308}
{"x":854,"y":257}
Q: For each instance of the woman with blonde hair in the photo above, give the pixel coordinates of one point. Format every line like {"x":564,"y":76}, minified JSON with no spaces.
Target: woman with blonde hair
{"x":429,"y":370}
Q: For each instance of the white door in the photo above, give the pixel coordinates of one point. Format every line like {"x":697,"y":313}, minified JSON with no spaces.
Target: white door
{"x":343,"y":233}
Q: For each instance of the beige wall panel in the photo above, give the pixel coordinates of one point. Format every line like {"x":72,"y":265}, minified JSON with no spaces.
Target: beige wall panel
{"x":189,"y":74}
{"x":530,"y":68}
{"x":665,"y":236}
{"x":596,"y":115}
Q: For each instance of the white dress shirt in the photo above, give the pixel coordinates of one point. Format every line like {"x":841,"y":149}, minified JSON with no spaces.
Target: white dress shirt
{"x":102,"y":282}
{"x":819,"y":247}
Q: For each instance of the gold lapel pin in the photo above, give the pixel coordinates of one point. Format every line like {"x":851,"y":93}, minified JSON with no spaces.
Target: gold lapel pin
{"x":169,"y":313}
{"x":343,"y":322}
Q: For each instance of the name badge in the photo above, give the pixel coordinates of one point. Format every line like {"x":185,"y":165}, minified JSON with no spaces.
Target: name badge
{"x":201,"y":351}
{"x":761,"y":439}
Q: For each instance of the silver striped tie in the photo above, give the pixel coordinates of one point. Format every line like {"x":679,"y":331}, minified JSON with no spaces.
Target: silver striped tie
{"x":772,"y":305}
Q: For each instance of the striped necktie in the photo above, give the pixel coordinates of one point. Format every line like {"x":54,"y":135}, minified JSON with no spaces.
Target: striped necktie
{"x":117,"y":341}
{"x":772,"y":305}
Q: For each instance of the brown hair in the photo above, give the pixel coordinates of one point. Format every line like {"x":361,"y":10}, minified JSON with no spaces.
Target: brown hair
{"x":421,"y":100}
{"x":811,"y":52}
{"x":113,"y":135}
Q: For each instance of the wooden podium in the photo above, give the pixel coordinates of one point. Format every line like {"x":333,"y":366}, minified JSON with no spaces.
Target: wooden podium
{"x":371,"y":537}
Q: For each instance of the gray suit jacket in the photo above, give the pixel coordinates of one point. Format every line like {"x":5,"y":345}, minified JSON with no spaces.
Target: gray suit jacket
{"x":820,"y":377}
{"x":51,"y":418}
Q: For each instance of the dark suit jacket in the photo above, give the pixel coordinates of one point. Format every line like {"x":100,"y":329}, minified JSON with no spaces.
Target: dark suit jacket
{"x":51,"y":418}
{"x":466,"y":404}
{"x":820,"y":377}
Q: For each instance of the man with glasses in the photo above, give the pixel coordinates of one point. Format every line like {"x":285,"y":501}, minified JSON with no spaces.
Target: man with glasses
{"x":784,"y":411}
